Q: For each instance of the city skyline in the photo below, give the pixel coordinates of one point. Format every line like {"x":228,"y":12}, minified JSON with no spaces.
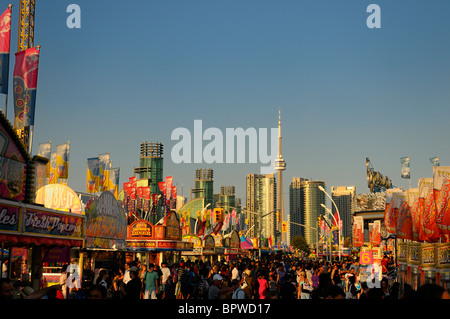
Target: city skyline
{"x":135,"y":73}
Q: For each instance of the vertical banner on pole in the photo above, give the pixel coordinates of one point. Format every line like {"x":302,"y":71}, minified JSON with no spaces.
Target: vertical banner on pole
{"x":5,"y":43}
{"x":25,"y":85}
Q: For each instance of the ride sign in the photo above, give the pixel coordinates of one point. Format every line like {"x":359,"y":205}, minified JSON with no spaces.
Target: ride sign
{"x":366,"y":258}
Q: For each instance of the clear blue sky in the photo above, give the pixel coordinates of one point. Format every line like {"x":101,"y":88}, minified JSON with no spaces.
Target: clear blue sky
{"x":137,"y":70}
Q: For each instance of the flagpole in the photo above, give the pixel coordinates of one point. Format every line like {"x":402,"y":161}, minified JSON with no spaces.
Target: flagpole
{"x":6,"y":105}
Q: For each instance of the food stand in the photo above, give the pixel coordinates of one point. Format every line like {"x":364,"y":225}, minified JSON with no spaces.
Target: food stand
{"x":219,"y":249}
{"x":197,"y":251}
{"x":160,"y":242}
{"x":58,"y":197}
{"x":232,"y":245}
{"x":32,"y":233}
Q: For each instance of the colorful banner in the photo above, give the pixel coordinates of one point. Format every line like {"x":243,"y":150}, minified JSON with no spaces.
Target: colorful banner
{"x":169,"y":181}
{"x":416,"y":217}
{"x":404,"y":224}
{"x":104,"y":169}
{"x":390,"y":217}
{"x":45,"y":149}
{"x":405,"y":167}
{"x":62,"y":160}
{"x":92,"y":174}
{"x":441,"y":190}
{"x":374,"y":233}
{"x":5,"y":42}
{"x":162,"y":187}
{"x":114,"y":175}
{"x":358,"y":231}
{"x":430,"y":231}
{"x":25,"y":85}
{"x":52,"y":175}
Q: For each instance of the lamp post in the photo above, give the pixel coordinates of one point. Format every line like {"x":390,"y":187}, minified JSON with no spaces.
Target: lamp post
{"x":339,"y":221}
{"x":329,"y":225}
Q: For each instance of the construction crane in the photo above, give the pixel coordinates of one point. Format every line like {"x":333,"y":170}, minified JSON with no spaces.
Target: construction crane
{"x":26,"y":41}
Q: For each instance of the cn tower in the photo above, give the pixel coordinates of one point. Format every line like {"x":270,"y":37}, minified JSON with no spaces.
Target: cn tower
{"x":280,"y":166}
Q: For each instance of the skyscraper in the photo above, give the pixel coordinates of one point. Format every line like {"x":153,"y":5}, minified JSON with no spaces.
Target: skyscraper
{"x":204,"y":186}
{"x":261,"y":200}
{"x":296,"y":208}
{"x":311,"y":198}
{"x":344,"y":197}
{"x":151,"y":165}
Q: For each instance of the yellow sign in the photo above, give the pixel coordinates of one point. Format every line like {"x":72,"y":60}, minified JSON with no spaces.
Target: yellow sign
{"x":59,"y":197}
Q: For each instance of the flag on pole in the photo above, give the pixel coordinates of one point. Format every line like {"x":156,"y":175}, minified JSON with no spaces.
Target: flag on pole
{"x":62,"y":160}
{"x":5,"y":42}
{"x":92,"y":174}
{"x":104,"y":166}
{"x":52,"y":170}
{"x":25,"y":85}
{"x":45,"y":150}
{"x":441,"y":190}
{"x":405,"y":167}
{"x":413,"y":204}
{"x":430,"y":230}
{"x":434,"y":161}
{"x":113,"y":183}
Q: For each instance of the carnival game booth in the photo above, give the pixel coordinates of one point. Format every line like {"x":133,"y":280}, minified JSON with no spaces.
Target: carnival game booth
{"x":106,"y":234}
{"x":232,"y":245}
{"x":202,"y":250}
{"x":219,"y":249}
{"x":197,"y":251}
{"x":421,"y":263}
{"x":160,"y":242}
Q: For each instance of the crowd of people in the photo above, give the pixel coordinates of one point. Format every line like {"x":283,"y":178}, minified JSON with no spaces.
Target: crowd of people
{"x":243,"y":278}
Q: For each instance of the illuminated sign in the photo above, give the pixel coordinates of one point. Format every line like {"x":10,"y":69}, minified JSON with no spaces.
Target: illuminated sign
{"x":59,"y":197}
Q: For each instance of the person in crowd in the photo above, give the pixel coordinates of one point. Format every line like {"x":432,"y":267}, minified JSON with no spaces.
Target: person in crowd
{"x":263,"y":286}
{"x":334,"y":292}
{"x":248,"y":283}
{"x":215,"y":290}
{"x":238,"y":293}
{"x":165,"y":279}
{"x":98,"y":291}
{"x":117,"y":281}
{"x":6,"y":289}
{"x":150,"y":282}
{"x":288,"y":289}
{"x":102,"y":278}
{"x":304,"y":287}
{"x":62,"y":294}
{"x":432,"y":291}
{"x":132,"y":289}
